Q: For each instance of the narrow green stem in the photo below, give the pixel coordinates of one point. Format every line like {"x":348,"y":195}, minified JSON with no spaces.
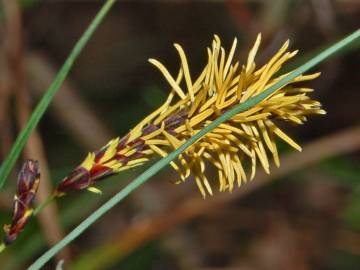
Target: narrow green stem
{"x":2,"y":247}
{"x":45,"y":203}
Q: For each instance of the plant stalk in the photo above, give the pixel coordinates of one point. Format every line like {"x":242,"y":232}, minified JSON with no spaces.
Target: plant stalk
{"x":45,"y":203}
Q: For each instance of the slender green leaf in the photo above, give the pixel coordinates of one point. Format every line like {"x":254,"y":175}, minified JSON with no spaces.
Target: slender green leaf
{"x":166,"y":160}
{"x":40,"y":109}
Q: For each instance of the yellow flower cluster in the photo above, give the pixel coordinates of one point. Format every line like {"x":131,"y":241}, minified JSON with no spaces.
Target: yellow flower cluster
{"x":194,"y":102}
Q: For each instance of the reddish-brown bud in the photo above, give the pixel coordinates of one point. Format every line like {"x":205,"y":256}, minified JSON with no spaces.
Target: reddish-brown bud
{"x":27,"y":185}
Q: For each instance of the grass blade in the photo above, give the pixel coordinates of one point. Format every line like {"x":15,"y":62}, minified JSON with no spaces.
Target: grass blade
{"x":40,"y":109}
{"x":166,"y":160}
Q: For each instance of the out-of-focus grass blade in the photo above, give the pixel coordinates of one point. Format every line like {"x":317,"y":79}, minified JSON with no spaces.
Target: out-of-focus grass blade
{"x":345,"y":171}
{"x":40,"y":109}
{"x":166,"y":160}
{"x":351,"y":213}
{"x":347,"y":174}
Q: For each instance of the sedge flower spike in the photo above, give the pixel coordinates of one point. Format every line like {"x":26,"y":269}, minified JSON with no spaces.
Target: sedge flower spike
{"x":27,"y":185}
{"x":243,"y":141}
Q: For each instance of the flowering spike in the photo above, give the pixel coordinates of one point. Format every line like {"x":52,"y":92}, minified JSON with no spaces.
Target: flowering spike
{"x":27,"y":185}
{"x":243,"y":140}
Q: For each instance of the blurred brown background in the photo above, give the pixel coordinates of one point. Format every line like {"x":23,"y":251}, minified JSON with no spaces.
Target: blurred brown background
{"x":304,"y":216}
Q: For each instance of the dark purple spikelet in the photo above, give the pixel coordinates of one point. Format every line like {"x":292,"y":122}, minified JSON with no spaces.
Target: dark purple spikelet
{"x":112,"y":157}
{"x":27,"y":185}
{"x":78,"y":179}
